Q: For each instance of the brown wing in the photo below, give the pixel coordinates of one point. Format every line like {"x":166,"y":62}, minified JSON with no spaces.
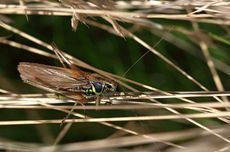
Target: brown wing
{"x":51,"y":77}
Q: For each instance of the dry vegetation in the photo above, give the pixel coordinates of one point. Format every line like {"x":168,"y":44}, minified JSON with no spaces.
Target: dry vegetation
{"x":125,"y":19}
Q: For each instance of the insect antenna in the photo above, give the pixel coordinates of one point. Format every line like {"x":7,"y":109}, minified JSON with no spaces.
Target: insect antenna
{"x":144,"y":54}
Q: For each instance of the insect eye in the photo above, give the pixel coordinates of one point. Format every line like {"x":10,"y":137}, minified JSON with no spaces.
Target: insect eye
{"x":108,"y":86}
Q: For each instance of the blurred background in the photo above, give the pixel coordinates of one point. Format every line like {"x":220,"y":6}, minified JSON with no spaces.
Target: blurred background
{"x":113,"y":54}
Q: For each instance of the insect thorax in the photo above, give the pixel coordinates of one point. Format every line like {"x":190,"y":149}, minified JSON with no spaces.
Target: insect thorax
{"x":95,"y":89}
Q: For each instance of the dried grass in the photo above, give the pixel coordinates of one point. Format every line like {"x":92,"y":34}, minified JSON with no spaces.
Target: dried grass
{"x":139,"y":15}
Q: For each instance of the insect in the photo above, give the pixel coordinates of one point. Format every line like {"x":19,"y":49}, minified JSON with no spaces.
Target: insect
{"x":69,"y":81}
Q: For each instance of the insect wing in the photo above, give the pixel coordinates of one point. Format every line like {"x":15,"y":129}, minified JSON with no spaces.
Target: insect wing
{"x":51,"y":77}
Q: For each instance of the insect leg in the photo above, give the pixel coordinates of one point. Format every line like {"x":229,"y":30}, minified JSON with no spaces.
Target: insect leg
{"x":79,"y":100}
{"x":69,"y":113}
{"x":98,"y":100}
{"x":72,"y":109}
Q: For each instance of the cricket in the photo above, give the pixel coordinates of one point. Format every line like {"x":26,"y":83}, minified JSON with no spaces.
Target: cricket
{"x":68,"y":80}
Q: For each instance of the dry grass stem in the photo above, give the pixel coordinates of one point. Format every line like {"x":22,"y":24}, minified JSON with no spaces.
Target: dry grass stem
{"x":147,"y":105}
